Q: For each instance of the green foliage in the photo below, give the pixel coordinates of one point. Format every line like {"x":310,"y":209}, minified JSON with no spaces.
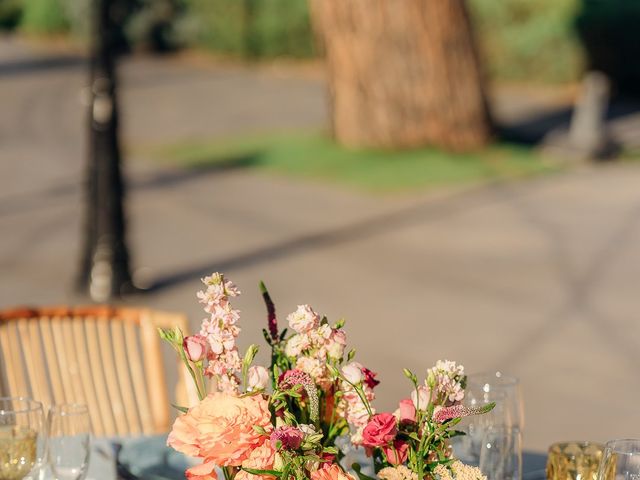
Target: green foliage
{"x":10,"y":12}
{"x":528,"y":39}
{"x":252,"y":28}
{"x":44,"y":16}
{"x":316,"y":157}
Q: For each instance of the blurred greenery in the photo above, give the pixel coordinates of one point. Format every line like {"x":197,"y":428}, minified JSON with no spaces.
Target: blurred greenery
{"x":44,"y":16}
{"x":532,"y":40}
{"x":316,"y":157}
{"x":520,"y":39}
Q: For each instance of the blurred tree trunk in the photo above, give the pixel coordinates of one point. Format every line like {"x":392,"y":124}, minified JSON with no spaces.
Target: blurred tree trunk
{"x":402,"y":73}
{"x":104,"y":270}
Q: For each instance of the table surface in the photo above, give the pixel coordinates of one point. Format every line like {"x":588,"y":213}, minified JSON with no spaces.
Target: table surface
{"x":102,"y":464}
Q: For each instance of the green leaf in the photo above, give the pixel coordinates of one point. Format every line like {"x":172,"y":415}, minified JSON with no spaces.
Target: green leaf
{"x":256,"y":471}
{"x":179,"y":408}
{"x":357,"y":468}
{"x":339,"y":324}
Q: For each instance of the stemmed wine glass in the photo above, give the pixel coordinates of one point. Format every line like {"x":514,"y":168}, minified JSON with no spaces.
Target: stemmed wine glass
{"x":620,"y":460}
{"x":69,"y":441}
{"x":23,"y":438}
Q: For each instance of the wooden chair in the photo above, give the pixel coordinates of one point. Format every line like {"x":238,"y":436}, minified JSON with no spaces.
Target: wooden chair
{"x":108,"y":358}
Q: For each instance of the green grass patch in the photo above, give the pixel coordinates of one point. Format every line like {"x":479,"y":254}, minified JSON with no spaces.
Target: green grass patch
{"x":314,"y":156}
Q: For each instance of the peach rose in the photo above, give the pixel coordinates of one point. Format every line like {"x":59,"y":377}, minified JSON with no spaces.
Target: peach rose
{"x":331,"y":472}
{"x":220,"y":428}
{"x":262,"y":458}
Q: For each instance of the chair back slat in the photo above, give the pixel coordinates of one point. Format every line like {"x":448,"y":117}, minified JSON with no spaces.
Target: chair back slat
{"x":104,"y":406}
{"x":124,"y":378}
{"x":80,"y":340}
{"x":152,"y":356}
{"x":108,"y":358}
{"x":138,"y":377}
{"x":61,"y":354}
{"x":51,"y":358}
{"x":12,"y":365}
{"x":108,"y":364}
{"x":73,"y":363}
{"x":31,"y":362}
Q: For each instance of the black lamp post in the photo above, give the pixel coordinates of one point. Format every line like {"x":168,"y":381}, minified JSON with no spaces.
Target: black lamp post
{"x":104,"y":271}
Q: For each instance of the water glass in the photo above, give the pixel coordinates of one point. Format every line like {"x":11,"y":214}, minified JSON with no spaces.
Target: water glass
{"x":501,"y":454}
{"x":22,"y":438}
{"x":620,"y":460}
{"x":574,"y":461}
{"x":69,"y":441}
{"x":481,"y":390}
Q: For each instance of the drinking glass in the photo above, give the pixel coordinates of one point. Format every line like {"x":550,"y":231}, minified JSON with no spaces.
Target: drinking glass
{"x":620,"y":460}
{"x":481,"y":390}
{"x":22,"y":438}
{"x":501,"y":454}
{"x":574,"y":461}
{"x":69,"y":441}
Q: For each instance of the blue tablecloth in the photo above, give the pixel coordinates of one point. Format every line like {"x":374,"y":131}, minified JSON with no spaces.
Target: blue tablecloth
{"x":148,"y":450}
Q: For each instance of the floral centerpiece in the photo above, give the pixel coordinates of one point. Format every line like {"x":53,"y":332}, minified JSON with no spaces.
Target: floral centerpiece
{"x":282,"y":422}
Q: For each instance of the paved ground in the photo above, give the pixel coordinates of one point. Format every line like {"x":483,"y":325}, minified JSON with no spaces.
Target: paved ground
{"x":539,"y":279}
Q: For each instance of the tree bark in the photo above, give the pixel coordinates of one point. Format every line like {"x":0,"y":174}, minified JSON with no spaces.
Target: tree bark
{"x":104,"y":271}
{"x":402,"y":73}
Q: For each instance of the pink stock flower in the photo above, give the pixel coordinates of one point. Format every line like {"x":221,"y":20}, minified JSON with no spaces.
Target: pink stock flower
{"x":380,"y":430}
{"x":397,"y":452}
{"x":336,"y":344}
{"x":446,"y":378}
{"x":220,"y":428}
{"x":303,"y":319}
{"x":407,"y":410}
{"x":331,"y":472}
{"x":195,"y":347}
{"x":288,"y":438}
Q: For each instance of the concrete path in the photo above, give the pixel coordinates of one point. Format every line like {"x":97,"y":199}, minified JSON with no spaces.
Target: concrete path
{"x":539,"y":279}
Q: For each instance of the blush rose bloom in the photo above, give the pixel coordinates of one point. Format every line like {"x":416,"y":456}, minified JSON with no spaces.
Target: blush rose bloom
{"x":331,"y":472}
{"x":407,"y":410}
{"x":380,"y":430}
{"x":195,"y":347}
{"x":262,"y":458}
{"x":220,"y":429}
{"x":257,"y":377}
{"x":398,"y":453}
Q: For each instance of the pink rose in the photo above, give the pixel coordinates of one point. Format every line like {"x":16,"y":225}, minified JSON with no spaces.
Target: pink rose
{"x":195,"y":346}
{"x":220,"y":429}
{"x":397,"y":453}
{"x":380,"y":430}
{"x":407,"y":410}
{"x":257,"y":377}
{"x":290,"y":438}
{"x":331,"y":472}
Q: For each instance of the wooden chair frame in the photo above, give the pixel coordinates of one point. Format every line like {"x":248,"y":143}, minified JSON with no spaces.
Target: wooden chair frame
{"x":109,"y":358}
